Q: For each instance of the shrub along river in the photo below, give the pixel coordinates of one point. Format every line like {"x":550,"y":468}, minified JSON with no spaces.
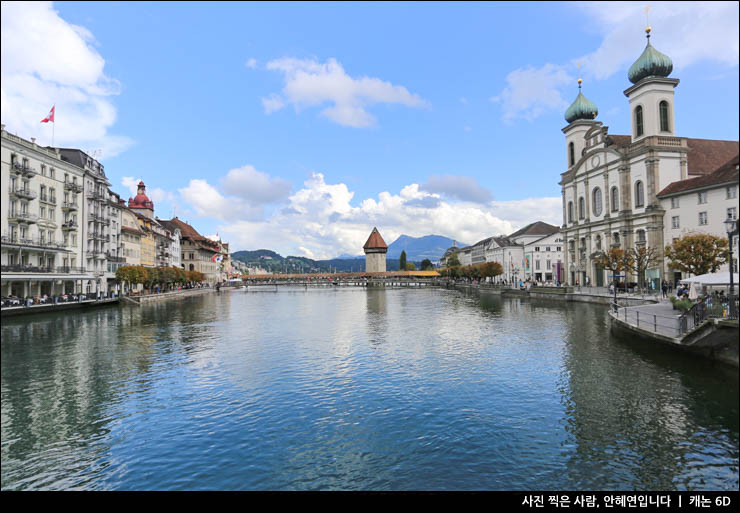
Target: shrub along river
{"x":357,"y":389}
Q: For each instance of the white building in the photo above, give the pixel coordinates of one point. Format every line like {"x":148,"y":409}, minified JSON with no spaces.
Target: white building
{"x":701,"y":205}
{"x":511,"y":257}
{"x":544,"y":259}
{"x":41,"y":219}
{"x":611,"y":183}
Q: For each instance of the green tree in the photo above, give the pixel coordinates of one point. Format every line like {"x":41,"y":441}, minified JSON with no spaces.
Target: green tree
{"x":426,"y":265}
{"x":698,"y":254}
{"x":402,"y":264}
{"x":410,"y":266}
{"x":453,"y":260}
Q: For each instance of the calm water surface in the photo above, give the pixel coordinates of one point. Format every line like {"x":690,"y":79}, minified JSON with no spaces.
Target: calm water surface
{"x":357,"y":389}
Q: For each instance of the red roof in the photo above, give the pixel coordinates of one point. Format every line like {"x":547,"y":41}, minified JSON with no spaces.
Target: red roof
{"x":725,"y":174}
{"x":188,"y":232}
{"x":141,"y":200}
{"x":375,"y":241}
{"x":705,"y":156}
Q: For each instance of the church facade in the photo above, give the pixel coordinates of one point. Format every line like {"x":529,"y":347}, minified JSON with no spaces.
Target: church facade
{"x":611,"y":185}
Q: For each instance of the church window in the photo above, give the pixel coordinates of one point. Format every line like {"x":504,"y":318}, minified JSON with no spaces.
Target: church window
{"x":639,"y":194}
{"x":581,"y":208}
{"x":597,"y":201}
{"x":664,"y":126}
{"x":572,"y":154}
{"x":570,"y":211}
{"x":638,"y":122}
{"x":615,"y":199}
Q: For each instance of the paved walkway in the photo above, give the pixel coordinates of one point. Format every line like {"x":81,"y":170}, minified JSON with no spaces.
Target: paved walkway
{"x":659,"y":318}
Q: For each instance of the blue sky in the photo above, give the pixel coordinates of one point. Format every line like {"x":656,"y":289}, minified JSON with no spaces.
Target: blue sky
{"x":299,"y":126}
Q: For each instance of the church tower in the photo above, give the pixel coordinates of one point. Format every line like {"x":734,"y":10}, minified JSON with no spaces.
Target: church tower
{"x":375,"y":250}
{"x":651,"y":98}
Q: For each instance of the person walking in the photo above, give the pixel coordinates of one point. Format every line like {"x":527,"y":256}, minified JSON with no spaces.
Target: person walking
{"x":665,"y":289}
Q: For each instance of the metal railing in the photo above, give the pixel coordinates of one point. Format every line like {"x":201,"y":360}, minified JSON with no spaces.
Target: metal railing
{"x":23,"y":217}
{"x":21,"y":268}
{"x":71,"y":186}
{"x":24,"y":193}
{"x":68,"y":205}
{"x":48,"y":199}
{"x":31,"y":241}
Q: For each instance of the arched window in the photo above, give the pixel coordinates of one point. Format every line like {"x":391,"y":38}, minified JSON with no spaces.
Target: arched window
{"x":570,"y":211}
{"x":597,"y":201}
{"x":615,"y":199}
{"x":664,"y":126}
{"x":640,"y":235}
{"x":572,"y":154}
{"x":598,"y":242}
{"x":639,"y":194}
{"x":581,"y":208}
{"x":638,"y":122}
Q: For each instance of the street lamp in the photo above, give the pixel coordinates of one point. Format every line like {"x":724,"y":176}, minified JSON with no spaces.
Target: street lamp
{"x":731,"y":227}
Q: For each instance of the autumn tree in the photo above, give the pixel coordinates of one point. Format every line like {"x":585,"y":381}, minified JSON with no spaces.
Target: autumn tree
{"x":698,"y":254}
{"x":410,"y":266}
{"x":491,"y":269}
{"x":641,"y":260}
{"x":615,"y":260}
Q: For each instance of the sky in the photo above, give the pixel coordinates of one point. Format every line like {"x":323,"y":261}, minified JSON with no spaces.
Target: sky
{"x":298,"y":127}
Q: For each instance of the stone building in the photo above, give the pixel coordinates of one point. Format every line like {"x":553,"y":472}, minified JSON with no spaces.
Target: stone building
{"x":198,"y":252}
{"x":41,"y":218}
{"x":611,"y":185}
{"x":375,"y":251}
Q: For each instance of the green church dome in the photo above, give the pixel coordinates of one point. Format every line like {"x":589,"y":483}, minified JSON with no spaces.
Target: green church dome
{"x":651,"y":63}
{"x":581,"y":108}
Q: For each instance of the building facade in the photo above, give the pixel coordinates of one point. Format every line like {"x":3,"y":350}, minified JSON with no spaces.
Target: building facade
{"x":41,"y":217}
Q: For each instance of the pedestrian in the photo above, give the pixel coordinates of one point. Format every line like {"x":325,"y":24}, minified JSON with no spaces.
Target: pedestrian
{"x":665,"y":289}
{"x":670,"y":286}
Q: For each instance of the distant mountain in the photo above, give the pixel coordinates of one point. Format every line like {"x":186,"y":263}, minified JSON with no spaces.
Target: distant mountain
{"x":417,"y":249}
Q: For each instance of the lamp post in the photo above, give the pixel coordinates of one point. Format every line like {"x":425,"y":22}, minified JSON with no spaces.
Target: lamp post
{"x":731,"y":227}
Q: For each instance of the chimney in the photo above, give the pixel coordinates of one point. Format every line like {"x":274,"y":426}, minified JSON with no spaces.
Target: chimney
{"x":33,"y":140}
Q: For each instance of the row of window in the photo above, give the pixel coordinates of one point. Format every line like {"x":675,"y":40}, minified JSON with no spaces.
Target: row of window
{"x":547,"y":248}
{"x":597,"y":205}
{"x":703,"y":218}
{"x":662,"y":113}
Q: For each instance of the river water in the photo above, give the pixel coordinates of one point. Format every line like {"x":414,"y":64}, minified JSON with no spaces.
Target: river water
{"x":357,"y":389}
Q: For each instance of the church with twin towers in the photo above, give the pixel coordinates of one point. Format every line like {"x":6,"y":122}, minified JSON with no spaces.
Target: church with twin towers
{"x":620,"y":191}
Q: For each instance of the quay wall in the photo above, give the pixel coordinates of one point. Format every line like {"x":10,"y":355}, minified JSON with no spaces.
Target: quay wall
{"x":50,"y":308}
{"x":167,"y":295}
{"x":715,"y":339}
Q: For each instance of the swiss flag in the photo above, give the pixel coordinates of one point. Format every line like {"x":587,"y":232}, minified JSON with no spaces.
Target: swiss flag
{"x":50,"y":117}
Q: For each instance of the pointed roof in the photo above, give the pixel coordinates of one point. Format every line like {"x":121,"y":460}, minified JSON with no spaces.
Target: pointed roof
{"x":375,"y":241}
{"x":536,"y":228}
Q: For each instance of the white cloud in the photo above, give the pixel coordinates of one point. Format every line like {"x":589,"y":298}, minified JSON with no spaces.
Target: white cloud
{"x":251,"y":63}
{"x":462,"y":188}
{"x":309,"y":83}
{"x":255,"y":187}
{"x":688,"y":32}
{"x":47,"y":61}
{"x":321,"y":221}
{"x":532,"y":91}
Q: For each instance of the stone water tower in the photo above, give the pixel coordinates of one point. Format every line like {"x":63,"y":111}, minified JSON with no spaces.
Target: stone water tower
{"x":375,"y":250}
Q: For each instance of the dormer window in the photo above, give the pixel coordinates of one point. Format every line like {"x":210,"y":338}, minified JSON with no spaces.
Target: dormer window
{"x":639,"y":129}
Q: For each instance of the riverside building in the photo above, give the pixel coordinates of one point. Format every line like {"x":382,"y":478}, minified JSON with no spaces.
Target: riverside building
{"x":611,"y":185}
{"x":42,"y":218}
{"x":375,"y":250}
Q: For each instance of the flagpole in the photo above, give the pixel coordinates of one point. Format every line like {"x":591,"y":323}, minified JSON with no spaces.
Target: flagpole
{"x":54,"y":126}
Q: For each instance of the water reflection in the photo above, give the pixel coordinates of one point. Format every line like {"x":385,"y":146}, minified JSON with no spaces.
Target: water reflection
{"x":343,"y":388}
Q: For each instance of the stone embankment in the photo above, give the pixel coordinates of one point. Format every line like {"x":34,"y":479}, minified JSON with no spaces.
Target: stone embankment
{"x":52,"y":308}
{"x":716,"y":339}
{"x":166,"y":295}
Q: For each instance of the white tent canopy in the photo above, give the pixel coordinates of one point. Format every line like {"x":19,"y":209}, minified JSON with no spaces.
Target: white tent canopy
{"x":715,"y":279}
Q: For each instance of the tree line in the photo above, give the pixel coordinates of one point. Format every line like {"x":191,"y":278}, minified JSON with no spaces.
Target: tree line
{"x":165,"y":277}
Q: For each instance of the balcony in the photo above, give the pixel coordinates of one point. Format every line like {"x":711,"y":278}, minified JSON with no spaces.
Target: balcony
{"x":16,"y":167}
{"x":22,"y":217}
{"x":96,"y":196}
{"x":49,"y":200}
{"x":31,"y":242}
{"x":29,"y":172}
{"x":20,"y":268}
{"x":69,"y":225}
{"x":69,"y":206}
{"x":24,"y":193}
{"x":74,"y":187}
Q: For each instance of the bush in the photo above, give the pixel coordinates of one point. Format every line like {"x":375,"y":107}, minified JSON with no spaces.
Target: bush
{"x":683,"y":305}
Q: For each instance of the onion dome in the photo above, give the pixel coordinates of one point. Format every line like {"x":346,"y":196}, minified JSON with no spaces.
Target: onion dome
{"x":651,"y":63}
{"x":581,"y":108}
{"x":141,"y":200}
